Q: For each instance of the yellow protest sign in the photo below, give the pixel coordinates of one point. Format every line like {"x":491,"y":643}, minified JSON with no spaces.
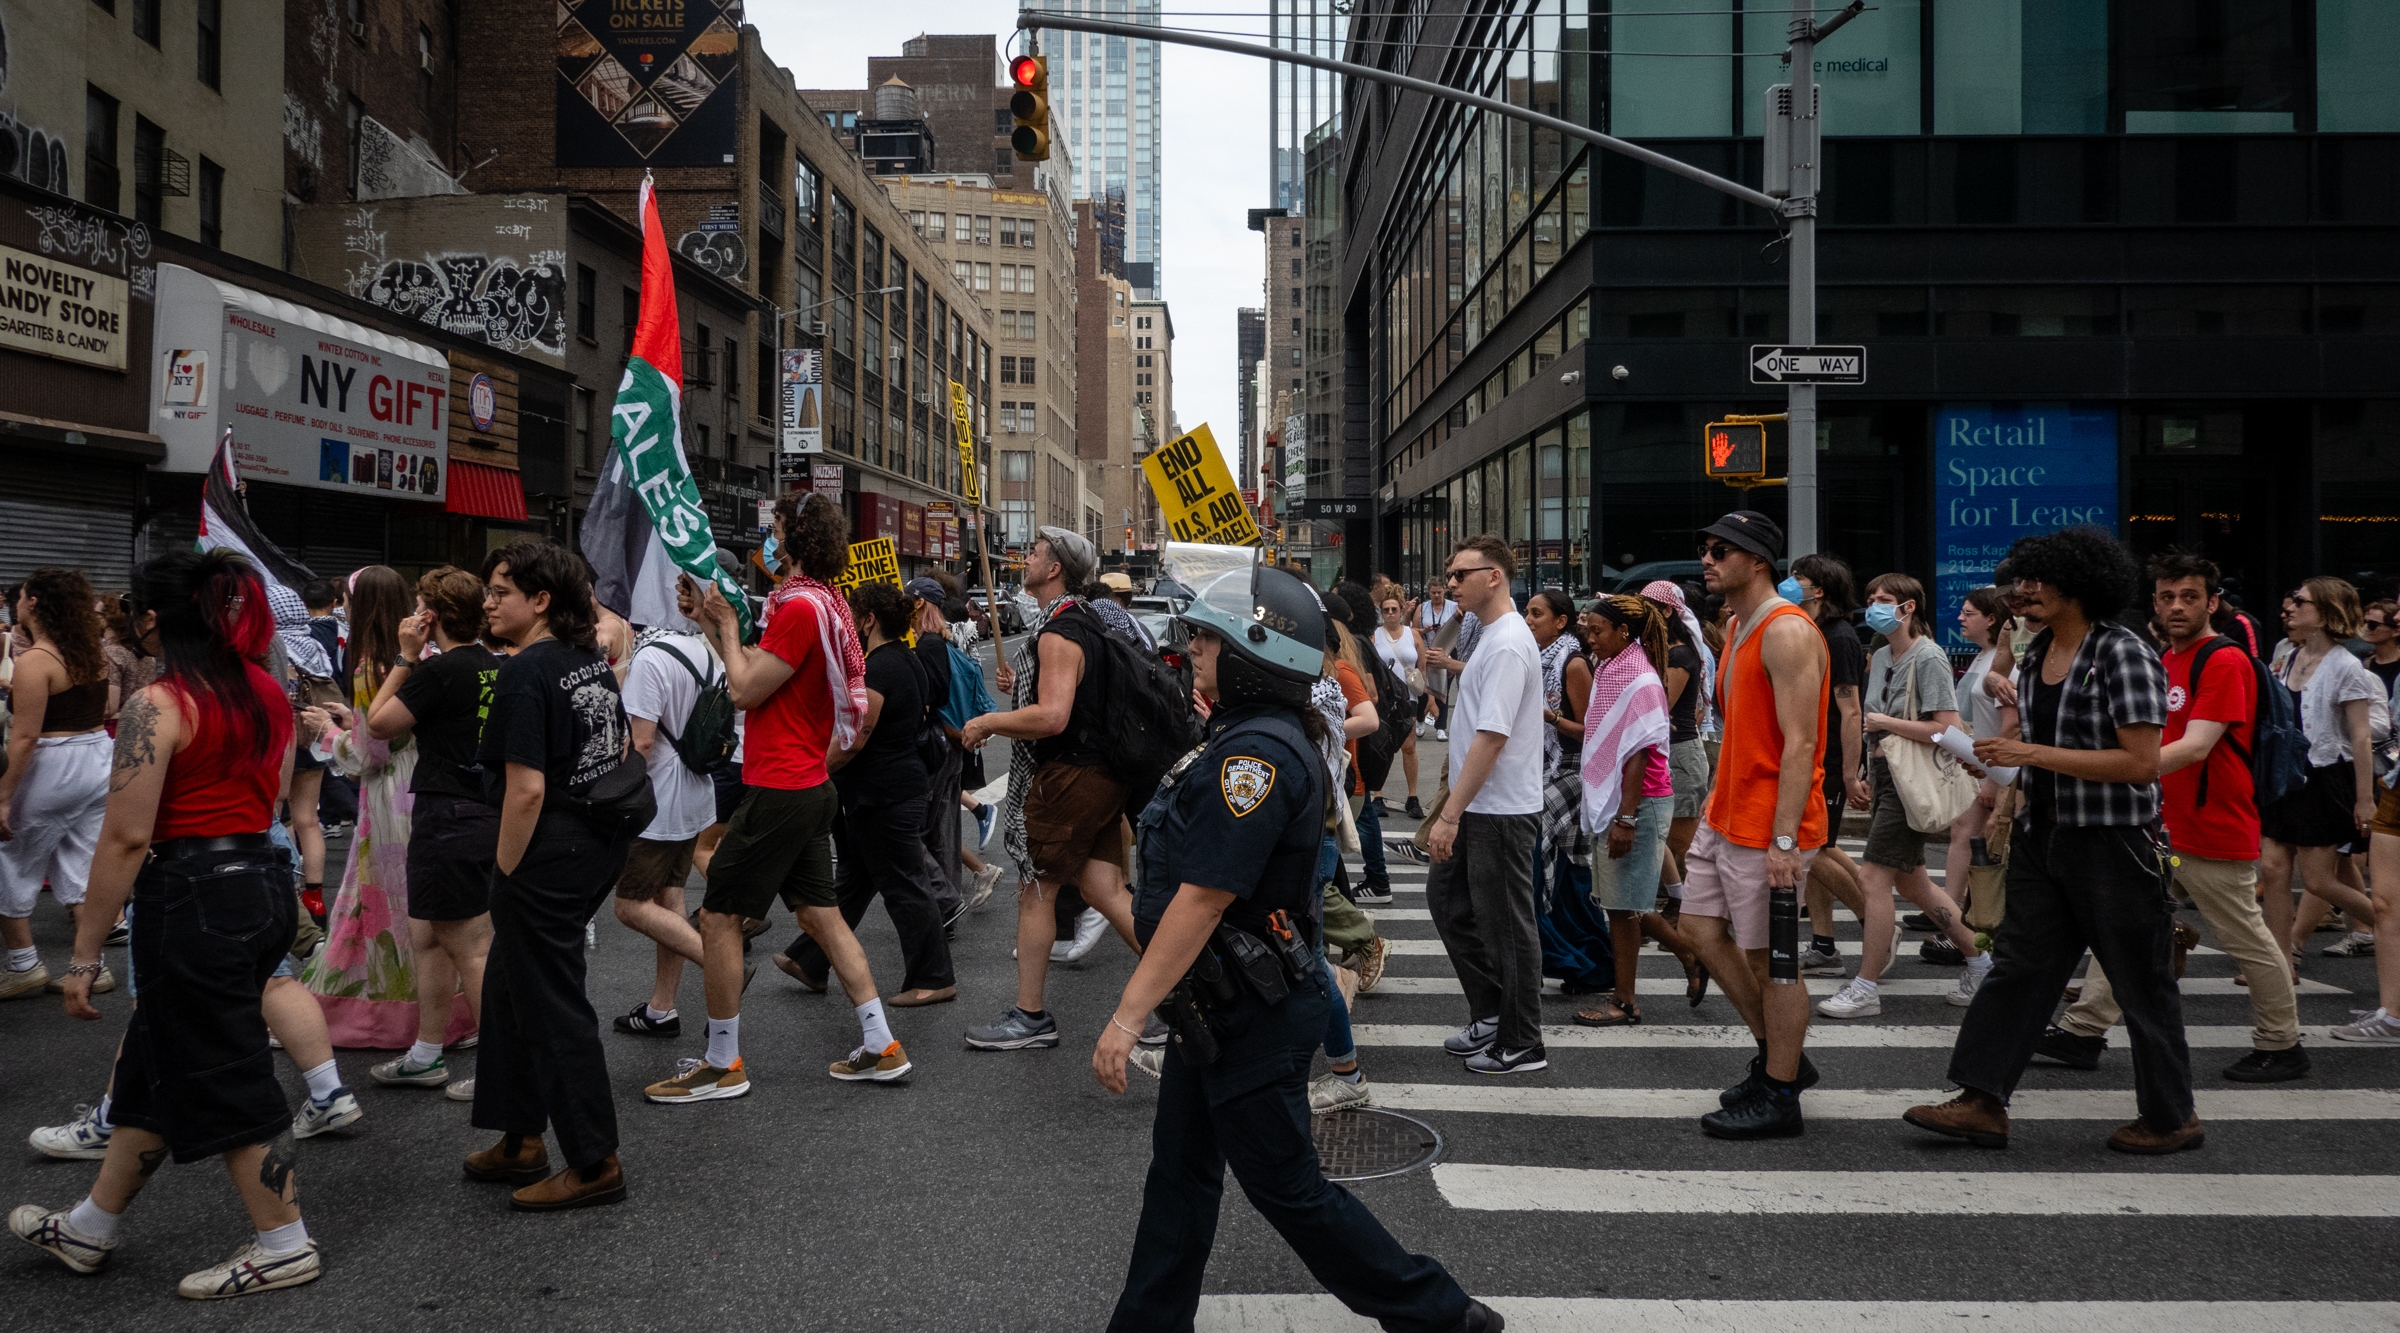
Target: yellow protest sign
{"x":962,"y":424}
{"x":1196,"y":494}
{"x":876,"y":561}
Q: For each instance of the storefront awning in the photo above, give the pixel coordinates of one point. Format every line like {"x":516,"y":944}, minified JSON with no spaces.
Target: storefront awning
{"x":485,"y":491}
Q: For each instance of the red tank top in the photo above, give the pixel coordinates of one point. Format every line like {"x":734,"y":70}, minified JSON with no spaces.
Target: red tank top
{"x":214,"y":788}
{"x":1750,"y":759}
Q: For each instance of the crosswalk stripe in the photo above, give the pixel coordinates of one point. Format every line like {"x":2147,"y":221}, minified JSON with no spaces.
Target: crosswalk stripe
{"x":1943,"y":1193}
{"x":1901,"y":988}
{"x":1485,"y":1098}
{"x":1317,"y":1313}
{"x":1847,"y":948}
{"x":1735,"y":1037}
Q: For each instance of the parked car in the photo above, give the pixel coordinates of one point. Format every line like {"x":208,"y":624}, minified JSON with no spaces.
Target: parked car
{"x":1016,"y":609}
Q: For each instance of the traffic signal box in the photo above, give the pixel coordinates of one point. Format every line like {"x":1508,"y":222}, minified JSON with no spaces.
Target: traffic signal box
{"x":1031,"y":107}
{"x":1735,"y":450}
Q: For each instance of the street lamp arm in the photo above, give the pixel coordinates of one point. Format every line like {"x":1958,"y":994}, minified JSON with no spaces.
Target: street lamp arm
{"x":1032,"y":20}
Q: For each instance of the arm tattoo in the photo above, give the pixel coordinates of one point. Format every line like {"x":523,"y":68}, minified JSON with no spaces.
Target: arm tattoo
{"x":275,"y":1169}
{"x":137,"y":741}
{"x":152,"y":1160}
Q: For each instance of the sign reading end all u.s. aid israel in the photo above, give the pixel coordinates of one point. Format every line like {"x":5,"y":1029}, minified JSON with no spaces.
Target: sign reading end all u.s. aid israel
{"x":1196,"y":494}
{"x":2007,"y":470}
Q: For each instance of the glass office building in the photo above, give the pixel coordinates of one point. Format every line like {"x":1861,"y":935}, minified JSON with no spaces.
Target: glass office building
{"x":2146,"y":244}
{"x":1104,"y":105}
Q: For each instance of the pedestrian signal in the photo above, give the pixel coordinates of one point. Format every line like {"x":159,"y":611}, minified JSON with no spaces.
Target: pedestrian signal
{"x":1031,"y":107}
{"x":1735,"y":450}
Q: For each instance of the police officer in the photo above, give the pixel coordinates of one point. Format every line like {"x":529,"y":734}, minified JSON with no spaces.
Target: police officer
{"x":1231,"y":840}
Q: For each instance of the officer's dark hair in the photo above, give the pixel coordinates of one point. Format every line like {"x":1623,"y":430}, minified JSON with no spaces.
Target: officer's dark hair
{"x":2086,"y":564}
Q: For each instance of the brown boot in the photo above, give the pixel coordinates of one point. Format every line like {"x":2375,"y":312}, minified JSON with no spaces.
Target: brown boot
{"x":569,"y":1189}
{"x":529,"y":1163}
{"x":2138,"y":1137}
{"x":1977,"y":1117}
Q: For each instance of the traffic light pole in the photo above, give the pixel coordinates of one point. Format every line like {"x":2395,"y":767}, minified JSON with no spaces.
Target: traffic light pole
{"x":1798,"y":213}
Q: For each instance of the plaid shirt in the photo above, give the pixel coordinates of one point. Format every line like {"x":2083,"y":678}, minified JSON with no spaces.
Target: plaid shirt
{"x":2116,"y":681}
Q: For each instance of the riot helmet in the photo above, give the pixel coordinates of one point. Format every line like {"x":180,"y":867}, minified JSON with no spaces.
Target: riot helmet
{"x":1272,"y":625}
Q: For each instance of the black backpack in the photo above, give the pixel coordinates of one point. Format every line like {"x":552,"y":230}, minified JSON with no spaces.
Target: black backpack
{"x":2277,"y":752}
{"x":1395,"y":713}
{"x":1149,"y":722}
{"x":707,"y":738}
{"x":933,"y":744}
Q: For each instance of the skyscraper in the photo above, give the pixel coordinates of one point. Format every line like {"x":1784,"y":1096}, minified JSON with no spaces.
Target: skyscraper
{"x":1104,"y":104}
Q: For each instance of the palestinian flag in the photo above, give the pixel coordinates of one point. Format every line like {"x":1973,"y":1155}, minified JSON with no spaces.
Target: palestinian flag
{"x":645,"y":525}
{"x":225,"y":522}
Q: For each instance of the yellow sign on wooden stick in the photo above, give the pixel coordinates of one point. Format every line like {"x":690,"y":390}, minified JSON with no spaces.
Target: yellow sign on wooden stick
{"x":1196,"y":494}
{"x":876,"y":561}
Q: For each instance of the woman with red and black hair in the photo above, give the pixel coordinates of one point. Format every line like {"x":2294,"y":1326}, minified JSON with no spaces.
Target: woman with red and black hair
{"x":200,"y":758}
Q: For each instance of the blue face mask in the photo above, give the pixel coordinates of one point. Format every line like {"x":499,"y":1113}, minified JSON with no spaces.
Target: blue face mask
{"x":768,"y":552}
{"x":1882,"y":617}
{"x":1791,"y":591}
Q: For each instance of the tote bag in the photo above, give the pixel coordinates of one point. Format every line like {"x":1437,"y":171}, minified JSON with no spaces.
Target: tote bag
{"x":1935,"y":789}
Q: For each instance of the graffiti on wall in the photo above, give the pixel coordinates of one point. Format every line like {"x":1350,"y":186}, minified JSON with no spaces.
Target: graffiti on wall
{"x":512,"y":303}
{"x":390,"y":167}
{"x":716,"y":244}
{"x":110,"y":244}
{"x":30,"y":153}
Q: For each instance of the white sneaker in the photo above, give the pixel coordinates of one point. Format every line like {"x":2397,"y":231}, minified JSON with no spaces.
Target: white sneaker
{"x":1424,"y":729}
{"x":319,"y":1117}
{"x":985,"y":880}
{"x":1857,"y":999}
{"x":47,"y":1230}
{"x":252,"y":1270}
{"x":460,"y":1090}
{"x":1148,"y":1060}
{"x":1441,"y":733}
{"x":1963,"y":994}
{"x":83,"y":1139}
{"x":2373,"y":1029}
{"x":1328,"y":1094}
{"x":1088,"y":929}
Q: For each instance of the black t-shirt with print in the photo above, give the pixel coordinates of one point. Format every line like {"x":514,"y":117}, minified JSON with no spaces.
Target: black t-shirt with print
{"x":556,"y":708}
{"x":449,"y":694}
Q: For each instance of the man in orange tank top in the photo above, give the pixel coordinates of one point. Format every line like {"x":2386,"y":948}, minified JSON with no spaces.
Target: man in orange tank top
{"x":1764,"y":823}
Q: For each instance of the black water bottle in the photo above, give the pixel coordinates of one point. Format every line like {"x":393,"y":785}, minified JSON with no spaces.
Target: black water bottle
{"x":1783,"y":935}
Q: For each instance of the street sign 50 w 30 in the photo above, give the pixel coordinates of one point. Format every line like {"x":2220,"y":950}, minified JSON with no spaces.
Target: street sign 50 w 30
{"x":1770,"y":364}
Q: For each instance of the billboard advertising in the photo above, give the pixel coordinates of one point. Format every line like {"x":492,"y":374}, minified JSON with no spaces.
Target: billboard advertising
{"x":2007,"y":470}
{"x":645,"y":83}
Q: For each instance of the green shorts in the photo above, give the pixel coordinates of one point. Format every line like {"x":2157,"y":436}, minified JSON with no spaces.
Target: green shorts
{"x":780,"y":843}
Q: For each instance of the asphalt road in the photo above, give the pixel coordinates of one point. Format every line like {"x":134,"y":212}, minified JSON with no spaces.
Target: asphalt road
{"x":999,"y":1191}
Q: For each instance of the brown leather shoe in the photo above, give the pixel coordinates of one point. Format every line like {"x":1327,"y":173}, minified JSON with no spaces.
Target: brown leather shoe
{"x":568,"y":1189}
{"x":529,"y":1163}
{"x":915,"y":999}
{"x":2138,"y":1137}
{"x":1977,"y":1117}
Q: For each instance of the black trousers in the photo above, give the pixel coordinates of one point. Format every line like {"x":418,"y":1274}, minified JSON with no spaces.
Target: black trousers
{"x":2070,"y":889}
{"x":941,"y":830}
{"x":541,"y":1064}
{"x":881,"y":849}
{"x":1250,"y":1111}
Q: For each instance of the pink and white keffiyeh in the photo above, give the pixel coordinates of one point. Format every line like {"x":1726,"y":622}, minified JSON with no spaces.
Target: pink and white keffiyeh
{"x":1628,"y":712}
{"x":845,"y":661}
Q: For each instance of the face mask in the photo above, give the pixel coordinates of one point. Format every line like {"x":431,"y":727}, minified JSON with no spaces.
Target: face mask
{"x":1791,"y":591}
{"x":768,"y":553}
{"x":1882,"y":617}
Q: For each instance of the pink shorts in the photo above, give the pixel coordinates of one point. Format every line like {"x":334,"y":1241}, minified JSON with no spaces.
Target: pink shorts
{"x":1726,"y":879}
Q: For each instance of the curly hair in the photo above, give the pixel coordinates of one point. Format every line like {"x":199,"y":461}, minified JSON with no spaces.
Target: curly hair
{"x":456,"y":599}
{"x":2086,"y":564}
{"x":65,"y":614}
{"x":2173,"y":566}
{"x":885,"y":606}
{"x":538,"y":567}
{"x":816,"y":534}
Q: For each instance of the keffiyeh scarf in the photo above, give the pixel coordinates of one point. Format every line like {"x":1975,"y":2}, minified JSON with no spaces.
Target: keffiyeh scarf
{"x":1670,"y":595}
{"x":1554,"y":697}
{"x":845,"y":661}
{"x":1628,"y":712}
{"x":291,"y":630}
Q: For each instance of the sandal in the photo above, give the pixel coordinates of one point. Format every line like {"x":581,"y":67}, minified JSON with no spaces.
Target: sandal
{"x":1611,"y":1013}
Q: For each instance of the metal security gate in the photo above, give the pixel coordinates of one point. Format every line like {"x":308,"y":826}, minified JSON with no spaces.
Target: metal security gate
{"x":72,"y":512}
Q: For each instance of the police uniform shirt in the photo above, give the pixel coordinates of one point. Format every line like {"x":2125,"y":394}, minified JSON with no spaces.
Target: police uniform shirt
{"x":1245,"y":817}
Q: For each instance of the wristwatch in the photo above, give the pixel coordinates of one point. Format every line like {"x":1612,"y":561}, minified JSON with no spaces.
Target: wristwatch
{"x":1785,"y":842}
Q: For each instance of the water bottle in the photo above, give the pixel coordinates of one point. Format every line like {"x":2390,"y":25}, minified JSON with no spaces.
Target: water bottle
{"x":1783,"y":936}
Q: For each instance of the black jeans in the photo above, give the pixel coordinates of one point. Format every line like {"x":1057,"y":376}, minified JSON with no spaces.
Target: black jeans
{"x":2070,"y":889}
{"x":1482,"y":902}
{"x":541,"y":1064}
{"x":208,"y":931}
{"x":1249,"y":1111}
{"x":941,"y":830}
{"x":882,"y":850}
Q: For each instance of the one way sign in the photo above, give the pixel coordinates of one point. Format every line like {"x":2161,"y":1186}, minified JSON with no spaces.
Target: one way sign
{"x":1808,"y":365}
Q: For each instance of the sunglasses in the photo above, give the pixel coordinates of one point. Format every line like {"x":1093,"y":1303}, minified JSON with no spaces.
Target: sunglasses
{"x":2378,"y":624}
{"x":1717,"y":551}
{"x":2297,"y":600}
{"x":1454,"y":575}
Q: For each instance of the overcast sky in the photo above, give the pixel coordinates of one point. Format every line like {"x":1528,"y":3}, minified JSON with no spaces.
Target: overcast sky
{"x":1215,"y":167}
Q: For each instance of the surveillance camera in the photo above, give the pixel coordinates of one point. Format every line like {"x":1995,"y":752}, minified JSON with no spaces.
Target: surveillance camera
{"x":1620,"y":372}
{"x":1570,"y":377}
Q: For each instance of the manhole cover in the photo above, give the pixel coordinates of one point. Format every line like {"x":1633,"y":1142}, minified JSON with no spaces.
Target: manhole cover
{"x":1368,"y":1144}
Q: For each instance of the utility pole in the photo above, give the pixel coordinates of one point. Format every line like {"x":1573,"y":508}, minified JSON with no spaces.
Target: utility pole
{"x":1800,"y":216}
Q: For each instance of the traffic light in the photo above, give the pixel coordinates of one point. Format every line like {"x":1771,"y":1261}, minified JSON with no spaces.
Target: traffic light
{"x":1735,"y":450}
{"x":1031,"y":107}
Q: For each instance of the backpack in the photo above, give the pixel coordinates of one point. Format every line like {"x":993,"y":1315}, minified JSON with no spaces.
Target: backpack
{"x":1395,"y":713}
{"x":707,"y":738}
{"x":2278,"y":750}
{"x":933,"y":744}
{"x":618,"y":801}
{"x":1149,"y":722}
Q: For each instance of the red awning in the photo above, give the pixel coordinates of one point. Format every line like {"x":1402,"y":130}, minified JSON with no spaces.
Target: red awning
{"x":485,"y":491}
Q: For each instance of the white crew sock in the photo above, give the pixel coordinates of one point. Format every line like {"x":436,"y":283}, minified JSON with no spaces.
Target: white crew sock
{"x":1863,"y":984}
{"x":1980,"y":963}
{"x":24,"y":960}
{"x":424,"y":1054}
{"x":108,"y":1105}
{"x":323,"y":1081}
{"x":285,"y":1240}
{"x":657,"y":1015}
{"x":1673,"y":891}
{"x":874,"y":1033}
{"x":93,"y":1220}
{"x":724,"y":1041}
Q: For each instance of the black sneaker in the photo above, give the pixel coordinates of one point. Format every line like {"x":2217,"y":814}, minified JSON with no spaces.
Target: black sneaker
{"x":2269,"y":1066}
{"x":1916,"y":921}
{"x":2075,"y":1051}
{"x":1413,"y":810}
{"x":1373,"y":893}
{"x":640,"y":1024}
{"x":1761,"y":1115}
{"x":118,"y":936}
{"x":1941,"y":952}
{"x":1494,"y":1060}
{"x":1382,"y":811}
{"x":1752,"y":1081}
{"x":1481,"y":1318}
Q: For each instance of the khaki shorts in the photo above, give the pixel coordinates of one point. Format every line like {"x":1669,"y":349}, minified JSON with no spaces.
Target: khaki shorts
{"x":2387,"y":812}
{"x":1074,"y":814}
{"x":1687,"y":765}
{"x":1725,"y":879}
{"x":652,"y":868}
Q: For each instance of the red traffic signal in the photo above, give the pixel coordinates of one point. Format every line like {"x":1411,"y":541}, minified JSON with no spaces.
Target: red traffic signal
{"x":1025,"y":71}
{"x":1031,"y":107}
{"x":1735,"y":450}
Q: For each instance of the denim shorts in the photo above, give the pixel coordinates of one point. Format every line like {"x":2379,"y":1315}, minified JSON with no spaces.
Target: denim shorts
{"x":1630,"y":884}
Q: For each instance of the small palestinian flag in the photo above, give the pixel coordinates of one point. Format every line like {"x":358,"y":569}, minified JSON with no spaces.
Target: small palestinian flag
{"x":225,"y":522}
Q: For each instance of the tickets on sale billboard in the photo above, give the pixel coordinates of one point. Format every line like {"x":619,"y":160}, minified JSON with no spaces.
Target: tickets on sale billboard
{"x":876,"y":561}
{"x":1196,"y":494}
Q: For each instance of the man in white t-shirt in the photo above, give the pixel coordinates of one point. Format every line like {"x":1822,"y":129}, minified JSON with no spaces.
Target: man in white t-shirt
{"x":661,"y":687}
{"x":1480,"y":889}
